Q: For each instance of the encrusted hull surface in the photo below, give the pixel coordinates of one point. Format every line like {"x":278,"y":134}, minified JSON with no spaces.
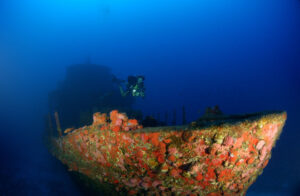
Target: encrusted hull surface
{"x":222,"y":157}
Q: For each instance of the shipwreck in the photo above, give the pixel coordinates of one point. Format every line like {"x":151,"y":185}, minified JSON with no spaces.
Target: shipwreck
{"x":215,"y":155}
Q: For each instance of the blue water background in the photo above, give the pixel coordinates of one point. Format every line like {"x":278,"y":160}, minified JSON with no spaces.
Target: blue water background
{"x":243,"y":55}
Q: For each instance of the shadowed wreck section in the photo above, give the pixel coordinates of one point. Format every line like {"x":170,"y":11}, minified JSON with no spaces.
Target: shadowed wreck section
{"x":211,"y":156}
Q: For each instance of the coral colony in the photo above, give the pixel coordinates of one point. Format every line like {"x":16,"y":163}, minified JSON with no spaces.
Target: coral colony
{"x":212,"y":159}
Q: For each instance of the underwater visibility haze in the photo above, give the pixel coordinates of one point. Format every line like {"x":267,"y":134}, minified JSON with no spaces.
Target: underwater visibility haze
{"x":75,"y":70}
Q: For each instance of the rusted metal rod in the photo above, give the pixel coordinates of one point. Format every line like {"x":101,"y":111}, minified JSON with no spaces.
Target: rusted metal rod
{"x":57,"y":124}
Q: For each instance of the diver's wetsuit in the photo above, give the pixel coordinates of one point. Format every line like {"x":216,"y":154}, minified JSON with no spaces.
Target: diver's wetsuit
{"x":135,"y":86}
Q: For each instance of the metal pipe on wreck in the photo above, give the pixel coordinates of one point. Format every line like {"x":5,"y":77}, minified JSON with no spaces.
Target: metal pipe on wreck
{"x":57,"y":124}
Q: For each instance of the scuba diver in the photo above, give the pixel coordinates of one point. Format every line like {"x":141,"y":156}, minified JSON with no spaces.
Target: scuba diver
{"x":134,"y":87}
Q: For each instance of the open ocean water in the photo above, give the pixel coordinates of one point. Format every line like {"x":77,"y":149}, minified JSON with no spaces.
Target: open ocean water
{"x":243,"y":55}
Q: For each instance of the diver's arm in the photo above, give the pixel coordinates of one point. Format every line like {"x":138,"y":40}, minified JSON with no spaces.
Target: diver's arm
{"x":122,"y":91}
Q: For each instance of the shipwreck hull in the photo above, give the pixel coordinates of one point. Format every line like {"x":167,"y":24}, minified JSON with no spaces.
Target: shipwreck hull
{"x":210,"y":157}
